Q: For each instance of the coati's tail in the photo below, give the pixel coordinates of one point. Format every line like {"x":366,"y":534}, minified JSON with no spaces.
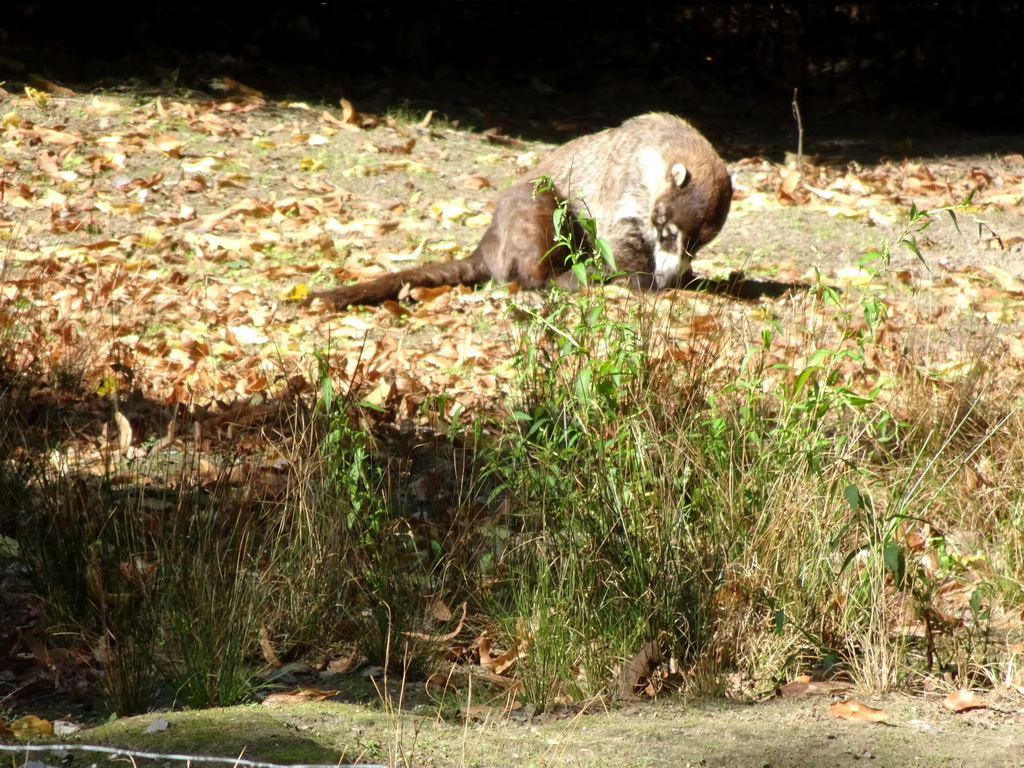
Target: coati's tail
{"x":468,"y":271}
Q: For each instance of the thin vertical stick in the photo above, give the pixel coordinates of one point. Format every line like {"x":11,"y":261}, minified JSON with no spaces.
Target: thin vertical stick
{"x":799,"y":134}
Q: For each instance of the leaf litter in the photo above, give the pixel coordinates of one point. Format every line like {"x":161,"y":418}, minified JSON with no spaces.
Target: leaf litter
{"x":161,"y":247}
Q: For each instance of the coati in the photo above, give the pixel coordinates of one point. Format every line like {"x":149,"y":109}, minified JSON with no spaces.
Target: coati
{"x":656,"y":187}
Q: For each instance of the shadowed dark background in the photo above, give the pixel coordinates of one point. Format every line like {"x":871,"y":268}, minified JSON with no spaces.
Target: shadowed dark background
{"x":550,"y":69}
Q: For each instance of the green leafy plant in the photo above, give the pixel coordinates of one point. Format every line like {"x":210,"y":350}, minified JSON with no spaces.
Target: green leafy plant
{"x":609,"y":554}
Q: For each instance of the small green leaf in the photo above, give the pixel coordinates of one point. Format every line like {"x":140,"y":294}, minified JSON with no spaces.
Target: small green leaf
{"x":975,"y":602}
{"x":952,"y":217}
{"x":852,"y":495}
{"x":819,"y":356}
{"x":801,"y":380}
{"x":605,"y":249}
{"x":559,"y":218}
{"x":579,"y":271}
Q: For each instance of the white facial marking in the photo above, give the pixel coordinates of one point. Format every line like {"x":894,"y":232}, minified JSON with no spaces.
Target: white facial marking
{"x":668,"y":261}
{"x":667,"y":267}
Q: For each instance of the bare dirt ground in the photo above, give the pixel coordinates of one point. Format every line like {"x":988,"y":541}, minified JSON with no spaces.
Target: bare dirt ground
{"x":164,"y":233}
{"x":663,"y":733}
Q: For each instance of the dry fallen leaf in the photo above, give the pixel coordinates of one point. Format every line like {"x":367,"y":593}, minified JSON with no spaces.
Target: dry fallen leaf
{"x":350,"y":118}
{"x":426,"y":120}
{"x":124,"y":432}
{"x":500,"y":664}
{"x":231,"y":85}
{"x":267,"y":647}
{"x":475,"y":181}
{"x":99,"y":107}
{"x":343,"y":663}
{"x":854,"y":710}
{"x":30,"y":726}
{"x":963,"y":701}
{"x":297,"y":696}
{"x":41,"y":83}
{"x":426,"y":294}
{"x":788,"y":187}
{"x":295,"y":293}
{"x":440,"y":638}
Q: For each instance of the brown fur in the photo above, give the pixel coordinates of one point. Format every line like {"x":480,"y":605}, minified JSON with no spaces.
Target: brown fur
{"x":656,"y":187}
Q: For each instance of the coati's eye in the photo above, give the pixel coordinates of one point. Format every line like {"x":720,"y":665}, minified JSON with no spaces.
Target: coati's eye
{"x":669,"y":238}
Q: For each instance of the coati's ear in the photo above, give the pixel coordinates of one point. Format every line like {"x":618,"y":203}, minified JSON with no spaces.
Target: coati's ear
{"x":678,"y":174}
